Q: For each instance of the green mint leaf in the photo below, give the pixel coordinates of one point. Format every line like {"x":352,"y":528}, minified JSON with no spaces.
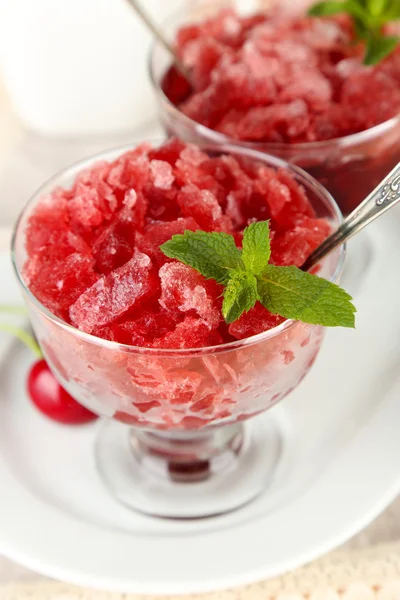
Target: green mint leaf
{"x":378,"y":47}
{"x":392,"y":13}
{"x":247,"y":277}
{"x":376,"y":7}
{"x":359,"y":11}
{"x":240,"y":295}
{"x":328,"y":8}
{"x":361,"y":30}
{"x":334,"y":7}
{"x":294,"y":294}
{"x":256,"y":247}
{"x":368,"y":16}
{"x":211,"y":254}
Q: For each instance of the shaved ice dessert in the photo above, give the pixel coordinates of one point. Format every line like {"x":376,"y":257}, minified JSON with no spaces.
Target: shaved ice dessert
{"x":293,"y":87}
{"x":281,"y":80}
{"x":94,"y":261}
{"x":94,"y":250}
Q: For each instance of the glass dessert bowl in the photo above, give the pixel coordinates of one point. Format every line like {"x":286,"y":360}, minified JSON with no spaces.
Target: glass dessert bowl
{"x":175,"y":442}
{"x":348,"y":163}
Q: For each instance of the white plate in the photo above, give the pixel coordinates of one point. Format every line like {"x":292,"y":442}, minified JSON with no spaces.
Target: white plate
{"x":340,"y":466}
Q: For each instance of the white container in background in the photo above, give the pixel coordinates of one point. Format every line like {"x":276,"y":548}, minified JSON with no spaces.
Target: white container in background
{"x":78,"y":67}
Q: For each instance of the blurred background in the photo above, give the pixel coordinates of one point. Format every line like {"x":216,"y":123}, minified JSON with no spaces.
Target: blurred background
{"x":73,"y":81}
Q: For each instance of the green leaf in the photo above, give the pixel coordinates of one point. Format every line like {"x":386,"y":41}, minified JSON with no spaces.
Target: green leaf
{"x":378,"y":47}
{"x":247,"y":277}
{"x":328,"y":8}
{"x":334,"y":7}
{"x":211,"y":254}
{"x":357,"y":10}
{"x":361,"y":30}
{"x":376,"y":7}
{"x":368,"y":16}
{"x":294,"y":294}
{"x":240,"y":295}
{"x":256,"y":247}
{"x":392,"y":13}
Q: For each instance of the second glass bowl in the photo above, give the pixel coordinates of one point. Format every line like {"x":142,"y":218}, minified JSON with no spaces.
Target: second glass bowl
{"x":349,"y":167}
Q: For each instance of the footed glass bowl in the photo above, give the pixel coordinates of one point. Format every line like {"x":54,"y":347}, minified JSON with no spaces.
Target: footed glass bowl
{"x":349,"y":167}
{"x":174,"y":442}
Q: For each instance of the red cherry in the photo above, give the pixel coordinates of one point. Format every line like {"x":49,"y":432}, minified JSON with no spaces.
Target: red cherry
{"x":52,"y":400}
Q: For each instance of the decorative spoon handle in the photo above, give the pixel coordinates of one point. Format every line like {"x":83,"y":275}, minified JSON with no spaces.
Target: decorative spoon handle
{"x":384,"y":196}
{"x":156,"y":31}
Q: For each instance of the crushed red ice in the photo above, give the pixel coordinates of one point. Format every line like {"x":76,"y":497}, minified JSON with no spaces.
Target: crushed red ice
{"x":94,"y":255}
{"x":280,"y":77}
{"x":115,"y":294}
{"x":184,"y":290}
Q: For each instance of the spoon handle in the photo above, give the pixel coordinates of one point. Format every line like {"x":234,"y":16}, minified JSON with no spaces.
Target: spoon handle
{"x":156,"y":31}
{"x":384,"y":196}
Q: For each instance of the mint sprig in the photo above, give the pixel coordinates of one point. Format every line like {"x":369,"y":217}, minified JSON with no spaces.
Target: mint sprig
{"x":248,"y":277}
{"x":212,"y":254}
{"x":240,"y":294}
{"x":369,"y":17}
{"x":256,"y":247}
{"x":294,"y":294}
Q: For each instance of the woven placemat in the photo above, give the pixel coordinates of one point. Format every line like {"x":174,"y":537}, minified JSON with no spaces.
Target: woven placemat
{"x":369,"y":574}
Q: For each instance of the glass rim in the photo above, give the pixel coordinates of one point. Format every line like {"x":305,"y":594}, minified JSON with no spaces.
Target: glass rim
{"x":84,"y":163}
{"x":217,"y":137}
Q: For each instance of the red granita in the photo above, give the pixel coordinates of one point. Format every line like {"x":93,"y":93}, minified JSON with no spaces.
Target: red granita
{"x":138,"y":332}
{"x":112,"y":296}
{"x":184,"y":290}
{"x":278,"y":78}
{"x":255,"y":321}
{"x":157,"y":233}
{"x":94,"y":254}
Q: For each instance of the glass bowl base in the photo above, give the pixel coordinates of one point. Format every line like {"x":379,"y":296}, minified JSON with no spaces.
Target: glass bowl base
{"x":190,"y":475}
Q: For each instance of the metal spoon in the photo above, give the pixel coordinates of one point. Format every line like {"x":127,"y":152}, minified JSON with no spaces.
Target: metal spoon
{"x":384,"y":196}
{"x":156,"y":31}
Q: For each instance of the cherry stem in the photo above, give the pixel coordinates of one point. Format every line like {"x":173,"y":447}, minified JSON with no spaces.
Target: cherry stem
{"x":24,"y":337}
{"x":15,"y":310}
